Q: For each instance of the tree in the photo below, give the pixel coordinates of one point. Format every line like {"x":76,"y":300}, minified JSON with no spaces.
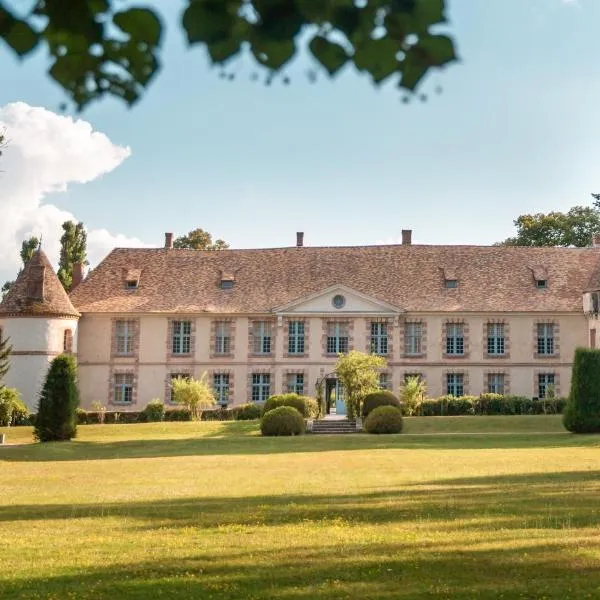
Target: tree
{"x":358,"y":373}
{"x":582,"y":413}
{"x":198,"y":239}
{"x":73,"y":249}
{"x":194,"y":394}
{"x":5,"y":351}
{"x":28,"y":247}
{"x":412,"y":395}
{"x":97,"y":49}
{"x":56,"y":417}
{"x":574,"y":228}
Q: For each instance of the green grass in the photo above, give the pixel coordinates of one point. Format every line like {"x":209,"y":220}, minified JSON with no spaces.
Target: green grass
{"x":212,"y":510}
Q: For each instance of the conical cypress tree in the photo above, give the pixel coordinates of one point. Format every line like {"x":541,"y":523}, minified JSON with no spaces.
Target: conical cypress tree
{"x":5,"y":350}
{"x":582,"y":413}
{"x":56,"y":417}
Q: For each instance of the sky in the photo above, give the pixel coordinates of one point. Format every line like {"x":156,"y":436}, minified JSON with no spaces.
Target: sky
{"x":515,"y":130}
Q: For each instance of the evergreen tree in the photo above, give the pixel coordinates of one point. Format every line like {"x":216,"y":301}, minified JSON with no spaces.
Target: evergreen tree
{"x":5,"y":350}
{"x":582,"y":413}
{"x":73,"y":249}
{"x":56,"y":417}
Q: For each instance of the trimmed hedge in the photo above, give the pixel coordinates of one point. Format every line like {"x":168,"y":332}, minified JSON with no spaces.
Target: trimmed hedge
{"x":307,"y":407}
{"x":284,"y":420}
{"x":13,"y":410}
{"x":384,"y":419}
{"x":178,"y":414}
{"x":246,"y":412}
{"x":491,"y":404}
{"x":153,"y":412}
{"x":376,"y":399}
{"x":582,"y":413}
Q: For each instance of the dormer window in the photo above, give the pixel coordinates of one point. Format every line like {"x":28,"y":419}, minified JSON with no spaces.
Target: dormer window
{"x":541,"y":283}
{"x":450,"y":277}
{"x":131,"y":284}
{"x":451,"y":283}
{"x":131,"y":278}
{"x":540,"y":276}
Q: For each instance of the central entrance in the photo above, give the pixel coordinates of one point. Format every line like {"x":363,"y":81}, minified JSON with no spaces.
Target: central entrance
{"x":334,"y":397}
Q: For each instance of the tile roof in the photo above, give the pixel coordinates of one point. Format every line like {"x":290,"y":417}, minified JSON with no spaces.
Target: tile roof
{"x":37,"y":292}
{"x":491,"y":279}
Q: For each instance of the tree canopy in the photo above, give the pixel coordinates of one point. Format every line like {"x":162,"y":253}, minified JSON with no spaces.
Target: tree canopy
{"x":573,"y":228}
{"x":100,"y":48}
{"x":28,"y":247}
{"x":198,"y":239}
{"x":73,"y":249}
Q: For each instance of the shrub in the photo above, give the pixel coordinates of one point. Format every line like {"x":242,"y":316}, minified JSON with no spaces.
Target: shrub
{"x":177,"y":414}
{"x":582,"y":413}
{"x":384,"y":419}
{"x":459,"y":405}
{"x":13,"y":410}
{"x":307,"y":407}
{"x":246,"y":412}
{"x":217,"y":414}
{"x":195,"y":394}
{"x":153,"y":412}
{"x":376,"y":399}
{"x":412,"y":395}
{"x":491,"y":404}
{"x":81,"y":416}
{"x":56,"y":419}
{"x":284,"y":420}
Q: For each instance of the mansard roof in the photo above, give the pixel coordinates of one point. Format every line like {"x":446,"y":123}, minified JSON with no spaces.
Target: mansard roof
{"x":37,"y":292}
{"x":412,"y":277}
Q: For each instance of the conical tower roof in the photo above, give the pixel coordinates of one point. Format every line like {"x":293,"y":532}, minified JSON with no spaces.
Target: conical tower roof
{"x":37,"y":292}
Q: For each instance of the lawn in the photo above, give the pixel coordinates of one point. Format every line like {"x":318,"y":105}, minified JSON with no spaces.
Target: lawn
{"x":490,"y":507}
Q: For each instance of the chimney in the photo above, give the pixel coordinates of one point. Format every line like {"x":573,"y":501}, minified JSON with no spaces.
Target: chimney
{"x":299,"y":239}
{"x":596,"y":240}
{"x":168,"y":240}
{"x":77,"y":275}
{"x":406,"y":237}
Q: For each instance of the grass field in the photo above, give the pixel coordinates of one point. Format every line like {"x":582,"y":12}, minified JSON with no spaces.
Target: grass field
{"x":491,"y":507}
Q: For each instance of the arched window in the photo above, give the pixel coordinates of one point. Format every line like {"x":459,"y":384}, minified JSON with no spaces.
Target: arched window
{"x":68,"y":341}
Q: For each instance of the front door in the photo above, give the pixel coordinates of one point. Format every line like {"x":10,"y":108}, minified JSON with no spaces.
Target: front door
{"x":334,"y":397}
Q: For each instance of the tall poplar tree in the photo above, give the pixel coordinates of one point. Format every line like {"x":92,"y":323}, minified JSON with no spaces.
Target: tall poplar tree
{"x":73,"y":249}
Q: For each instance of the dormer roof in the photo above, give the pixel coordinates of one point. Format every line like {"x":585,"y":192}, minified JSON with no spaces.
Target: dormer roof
{"x":37,"y":292}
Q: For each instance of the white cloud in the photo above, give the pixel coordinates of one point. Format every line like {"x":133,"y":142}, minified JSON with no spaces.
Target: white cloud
{"x":46,"y":153}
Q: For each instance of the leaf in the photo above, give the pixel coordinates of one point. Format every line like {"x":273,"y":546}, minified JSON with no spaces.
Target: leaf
{"x":439,"y":49}
{"x":412,"y":72}
{"x":331,"y":55}
{"x":207,"y":21}
{"x":17,"y":34}
{"x":222,"y":51}
{"x":142,"y":24}
{"x":272,"y":54}
{"x":378,"y":57}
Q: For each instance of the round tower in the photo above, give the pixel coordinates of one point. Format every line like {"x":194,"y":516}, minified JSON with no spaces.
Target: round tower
{"x":41,"y":323}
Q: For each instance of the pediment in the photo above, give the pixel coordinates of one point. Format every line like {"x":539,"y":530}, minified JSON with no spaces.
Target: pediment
{"x":327,"y":301}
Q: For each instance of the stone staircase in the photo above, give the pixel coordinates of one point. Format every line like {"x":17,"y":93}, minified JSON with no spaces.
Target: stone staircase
{"x":333,"y":426}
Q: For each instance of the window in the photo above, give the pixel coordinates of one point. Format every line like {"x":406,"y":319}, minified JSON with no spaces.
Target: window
{"x":545,"y":338}
{"x":337,"y":338}
{"x":68,"y":341}
{"x":296,"y":337}
{"x":338,"y":301}
{"x":173,"y":376}
{"x":455,"y":339}
{"x":495,"y":383}
{"x":131,"y":284}
{"x":541,"y":283}
{"x":221,"y":387}
{"x":226,"y":284}
{"x":124,"y":331}
{"x":123,"y":388}
{"x":379,"y":338}
{"x":182,"y":337}
{"x":261,"y":337}
{"x":295,"y":383}
{"x":451,"y":283}
{"x":384,"y":381}
{"x":455,"y":384}
{"x":413,"y":338}
{"x":545,"y":384}
{"x":261,"y":387}
{"x":222,"y":338}
{"x":495,"y":338}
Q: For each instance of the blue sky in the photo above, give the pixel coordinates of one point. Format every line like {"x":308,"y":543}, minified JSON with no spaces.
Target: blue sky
{"x":516,"y":129}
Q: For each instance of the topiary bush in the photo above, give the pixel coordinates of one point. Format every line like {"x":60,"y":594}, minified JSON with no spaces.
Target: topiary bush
{"x":13,"y":410}
{"x":379,"y":398}
{"x":306,"y":406}
{"x":56,"y":417}
{"x":582,"y":413}
{"x":384,"y":419}
{"x":153,"y":412}
{"x":283,"y":420}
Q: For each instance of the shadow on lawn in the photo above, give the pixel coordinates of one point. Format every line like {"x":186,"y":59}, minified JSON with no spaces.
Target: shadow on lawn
{"x":220,"y":445}
{"x":375,"y":567}
{"x":536,"y":501}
